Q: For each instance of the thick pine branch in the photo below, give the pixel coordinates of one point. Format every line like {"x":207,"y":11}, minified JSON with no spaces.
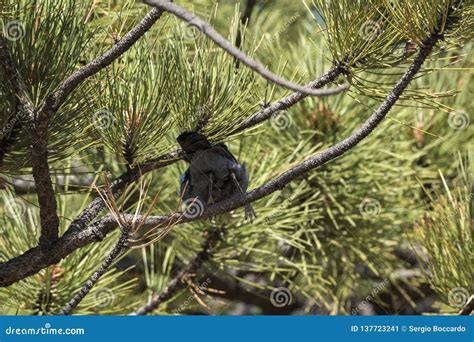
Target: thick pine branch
{"x":39,"y":151}
{"x":37,"y":258}
{"x":44,"y":186}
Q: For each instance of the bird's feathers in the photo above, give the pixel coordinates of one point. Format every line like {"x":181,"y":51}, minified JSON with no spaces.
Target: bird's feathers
{"x":214,"y":174}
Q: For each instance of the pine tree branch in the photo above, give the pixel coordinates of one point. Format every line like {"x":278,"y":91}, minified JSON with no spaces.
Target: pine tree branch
{"x":194,"y":265}
{"x":227,"y":46}
{"x":54,"y":101}
{"x":119,"y":248}
{"x":36,"y":259}
{"x":290,"y":100}
{"x":116,"y":188}
{"x":39,"y":151}
{"x":44,"y":186}
{"x":21,"y":267}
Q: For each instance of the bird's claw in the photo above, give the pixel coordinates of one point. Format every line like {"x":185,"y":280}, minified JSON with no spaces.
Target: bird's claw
{"x":250,"y":214}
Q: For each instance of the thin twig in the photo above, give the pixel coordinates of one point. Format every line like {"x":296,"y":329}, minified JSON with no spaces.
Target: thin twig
{"x":227,"y":46}
{"x":119,"y":248}
{"x":194,"y":265}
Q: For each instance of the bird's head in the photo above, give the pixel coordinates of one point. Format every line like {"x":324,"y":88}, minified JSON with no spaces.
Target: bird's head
{"x":191,"y":142}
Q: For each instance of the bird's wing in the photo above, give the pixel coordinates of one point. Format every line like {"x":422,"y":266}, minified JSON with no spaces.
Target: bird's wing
{"x":222,"y":150}
{"x":185,"y":180}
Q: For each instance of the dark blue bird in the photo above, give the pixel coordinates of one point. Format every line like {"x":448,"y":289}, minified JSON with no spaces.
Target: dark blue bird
{"x":213,"y":174}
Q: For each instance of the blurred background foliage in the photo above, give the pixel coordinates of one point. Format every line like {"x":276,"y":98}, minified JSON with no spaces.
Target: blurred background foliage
{"x":390,"y":221}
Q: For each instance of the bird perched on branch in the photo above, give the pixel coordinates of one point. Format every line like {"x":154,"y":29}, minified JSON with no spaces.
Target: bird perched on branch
{"x":213,"y":174}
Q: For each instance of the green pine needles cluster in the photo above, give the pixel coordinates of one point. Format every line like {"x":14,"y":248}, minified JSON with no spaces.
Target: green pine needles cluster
{"x":384,"y":229}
